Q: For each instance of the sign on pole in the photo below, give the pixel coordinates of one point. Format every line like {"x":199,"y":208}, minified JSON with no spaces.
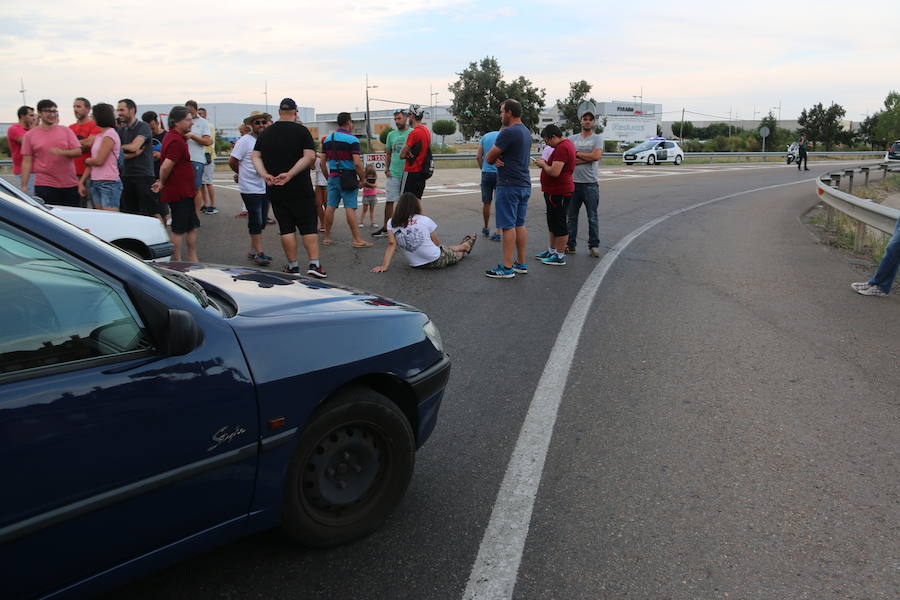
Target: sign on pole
{"x":379,"y":160}
{"x":764,"y":133}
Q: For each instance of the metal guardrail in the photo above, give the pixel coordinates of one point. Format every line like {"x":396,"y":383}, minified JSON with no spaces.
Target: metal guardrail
{"x":864,"y":212}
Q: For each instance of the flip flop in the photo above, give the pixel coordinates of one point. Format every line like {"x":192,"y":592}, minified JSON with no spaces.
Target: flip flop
{"x":362,"y":244}
{"x":327,"y":242}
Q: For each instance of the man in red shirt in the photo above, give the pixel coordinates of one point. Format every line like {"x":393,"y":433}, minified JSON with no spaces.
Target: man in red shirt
{"x":14,"y":135}
{"x":414,"y":153}
{"x":176,"y":183}
{"x":557,"y":185}
{"x":85,"y":129}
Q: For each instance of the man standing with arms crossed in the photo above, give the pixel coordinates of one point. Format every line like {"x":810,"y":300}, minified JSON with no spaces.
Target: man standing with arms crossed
{"x":393,"y":169}
{"x":414,"y":152}
{"x":488,"y":182}
{"x":510,"y":153}
{"x":588,"y":150}
{"x":137,"y":174}
{"x":47,"y":150}
{"x":283,"y":155}
{"x":197,"y":140}
{"x":14,"y":136}
{"x":85,"y":129}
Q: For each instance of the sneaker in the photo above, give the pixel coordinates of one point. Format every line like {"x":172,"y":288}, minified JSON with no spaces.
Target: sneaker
{"x":316,"y":271}
{"x":500,"y":272}
{"x":270,"y":221}
{"x":554,"y":260}
{"x":520,"y":268}
{"x":203,"y":209}
{"x":496,"y":237}
{"x":211,"y":210}
{"x":570,"y":249}
{"x":262,"y":259}
{"x":486,"y":232}
{"x":860,"y":285}
{"x":375,"y":226}
{"x":380,"y":233}
{"x":872,"y":290}
{"x":595,"y":252}
{"x":251,"y":255}
{"x":544,"y":254}
{"x":288,"y":269}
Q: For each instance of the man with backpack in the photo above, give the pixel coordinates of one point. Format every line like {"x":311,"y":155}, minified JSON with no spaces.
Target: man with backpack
{"x":417,"y":154}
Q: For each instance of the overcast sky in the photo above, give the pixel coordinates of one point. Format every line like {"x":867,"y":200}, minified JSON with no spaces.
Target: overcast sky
{"x":707,"y":57}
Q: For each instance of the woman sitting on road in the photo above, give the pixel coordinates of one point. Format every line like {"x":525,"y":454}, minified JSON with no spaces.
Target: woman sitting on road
{"x":414,"y":233}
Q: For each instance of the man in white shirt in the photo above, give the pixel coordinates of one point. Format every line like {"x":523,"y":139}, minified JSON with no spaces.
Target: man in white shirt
{"x":197,"y":140}
{"x":251,"y":185}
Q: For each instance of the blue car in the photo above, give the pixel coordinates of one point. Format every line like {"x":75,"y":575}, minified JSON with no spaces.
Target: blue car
{"x":150,"y":412}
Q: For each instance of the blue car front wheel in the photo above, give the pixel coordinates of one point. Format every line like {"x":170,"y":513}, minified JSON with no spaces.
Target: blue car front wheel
{"x":350,"y":468}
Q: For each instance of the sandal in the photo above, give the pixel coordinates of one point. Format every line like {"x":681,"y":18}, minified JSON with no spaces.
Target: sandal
{"x":470,"y":240}
{"x":362,"y":244}
{"x":327,"y":242}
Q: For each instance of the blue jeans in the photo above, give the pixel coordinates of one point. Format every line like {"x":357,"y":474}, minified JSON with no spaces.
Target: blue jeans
{"x":887,"y":270}
{"x":30,"y":183}
{"x":587,"y":194}
{"x":257,"y":210}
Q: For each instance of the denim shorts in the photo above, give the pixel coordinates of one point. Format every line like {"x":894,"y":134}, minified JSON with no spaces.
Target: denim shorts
{"x":198,"y":173}
{"x":106,"y":193}
{"x":488,"y":184}
{"x":511,"y":206}
{"x":208,"y":171}
{"x":336,"y":194}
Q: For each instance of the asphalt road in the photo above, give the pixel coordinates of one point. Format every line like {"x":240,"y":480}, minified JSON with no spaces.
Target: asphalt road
{"x":728,"y":428}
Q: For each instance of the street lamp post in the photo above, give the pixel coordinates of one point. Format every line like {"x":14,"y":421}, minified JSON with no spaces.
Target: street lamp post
{"x":368,"y":126}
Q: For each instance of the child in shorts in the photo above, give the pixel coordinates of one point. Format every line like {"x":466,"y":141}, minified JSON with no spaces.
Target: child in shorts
{"x":370,"y":196}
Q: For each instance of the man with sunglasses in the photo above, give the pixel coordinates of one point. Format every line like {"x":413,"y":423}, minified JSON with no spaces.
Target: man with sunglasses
{"x":251,"y":185}
{"x":393,"y":169}
{"x":588,"y":150}
{"x":47,"y":150}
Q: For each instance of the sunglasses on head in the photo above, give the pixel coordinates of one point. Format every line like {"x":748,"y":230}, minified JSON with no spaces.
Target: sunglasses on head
{"x":260,"y":122}
{"x":400,"y":111}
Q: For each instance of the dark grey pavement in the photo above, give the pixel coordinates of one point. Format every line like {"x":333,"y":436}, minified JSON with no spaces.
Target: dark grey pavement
{"x":729,"y":428}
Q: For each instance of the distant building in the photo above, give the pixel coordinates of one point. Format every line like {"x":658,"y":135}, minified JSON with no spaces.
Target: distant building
{"x":226,"y":116}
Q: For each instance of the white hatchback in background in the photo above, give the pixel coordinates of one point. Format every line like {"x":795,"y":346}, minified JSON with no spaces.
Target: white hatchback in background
{"x":145,"y":237}
{"x":653,"y":151}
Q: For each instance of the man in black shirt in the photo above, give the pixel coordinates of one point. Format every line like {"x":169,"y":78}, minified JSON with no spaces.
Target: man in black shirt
{"x":137,"y":174}
{"x":283,"y":155}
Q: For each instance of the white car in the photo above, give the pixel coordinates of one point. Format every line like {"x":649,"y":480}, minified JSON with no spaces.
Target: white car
{"x":654,"y":150}
{"x":145,"y":237}
{"x":893,"y":152}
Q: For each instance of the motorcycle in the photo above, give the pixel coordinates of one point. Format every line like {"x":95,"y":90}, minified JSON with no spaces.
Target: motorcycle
{"x":792,"y":153}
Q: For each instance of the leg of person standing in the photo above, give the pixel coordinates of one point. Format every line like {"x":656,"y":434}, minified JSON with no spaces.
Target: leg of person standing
{"x":334,"y":200}
{"x":591,"y":198}
{"x":572,"y":221}
{"x":881,"y":282}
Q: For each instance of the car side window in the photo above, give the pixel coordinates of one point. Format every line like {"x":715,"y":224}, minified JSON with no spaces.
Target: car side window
{"x":53,"y":312}
{"x":668,"y":145}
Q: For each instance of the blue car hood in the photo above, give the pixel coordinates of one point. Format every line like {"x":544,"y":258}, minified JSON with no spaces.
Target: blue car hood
{"x":259,"y":293}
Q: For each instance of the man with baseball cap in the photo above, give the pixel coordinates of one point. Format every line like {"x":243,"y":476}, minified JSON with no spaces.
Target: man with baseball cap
{"x":588,"y":150}
{"x":282,"y":156}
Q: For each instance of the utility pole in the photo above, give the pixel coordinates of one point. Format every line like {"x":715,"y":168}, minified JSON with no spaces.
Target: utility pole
{"x":22,"y":90}
{"x":681,"y":133}
{"x":368,"y":126}
{"x":779,"y":109}
{"x":266,"y":94}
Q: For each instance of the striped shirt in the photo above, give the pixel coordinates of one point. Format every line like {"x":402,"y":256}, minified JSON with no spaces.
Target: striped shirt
{"x":340,"y":147}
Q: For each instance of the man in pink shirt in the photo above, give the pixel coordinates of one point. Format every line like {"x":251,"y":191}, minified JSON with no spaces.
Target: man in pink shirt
{"x":47,"y":150}
{"x":15,"y":134}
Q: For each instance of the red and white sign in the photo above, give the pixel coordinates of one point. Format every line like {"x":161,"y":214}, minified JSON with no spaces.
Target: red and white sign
{"x":379,"y":160}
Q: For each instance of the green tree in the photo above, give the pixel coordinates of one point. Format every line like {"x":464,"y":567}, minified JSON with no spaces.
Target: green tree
{"x":222,"y":144}
{"x":568,"y":108}
{"x":832,"y":131}
{"x":887,"y":128}
{"x":443,"y":128}
{"x":4,"y":146}
{"x":770,"y":122}
{"x":684,"y":129}
{"x":480,"y":90}
{"x":532,"y":100}
{"x":382,"y":137}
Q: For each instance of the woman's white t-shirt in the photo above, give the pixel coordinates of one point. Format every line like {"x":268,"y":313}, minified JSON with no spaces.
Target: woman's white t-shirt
{"x":415,"y":240}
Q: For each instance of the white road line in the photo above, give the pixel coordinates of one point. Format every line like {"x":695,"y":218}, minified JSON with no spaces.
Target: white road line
{"x":496,"y":568}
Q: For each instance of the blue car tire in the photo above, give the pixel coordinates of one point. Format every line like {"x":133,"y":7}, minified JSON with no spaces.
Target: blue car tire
{"x":352,"y":465}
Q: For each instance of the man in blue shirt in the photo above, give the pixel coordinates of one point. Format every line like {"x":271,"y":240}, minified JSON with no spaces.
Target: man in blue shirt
{"x":341,"y":149}
{"x":488,"y":182}
{"x":511,"y":154}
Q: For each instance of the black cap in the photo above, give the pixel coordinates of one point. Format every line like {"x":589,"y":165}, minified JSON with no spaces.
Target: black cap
{"x":288,"y":104}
